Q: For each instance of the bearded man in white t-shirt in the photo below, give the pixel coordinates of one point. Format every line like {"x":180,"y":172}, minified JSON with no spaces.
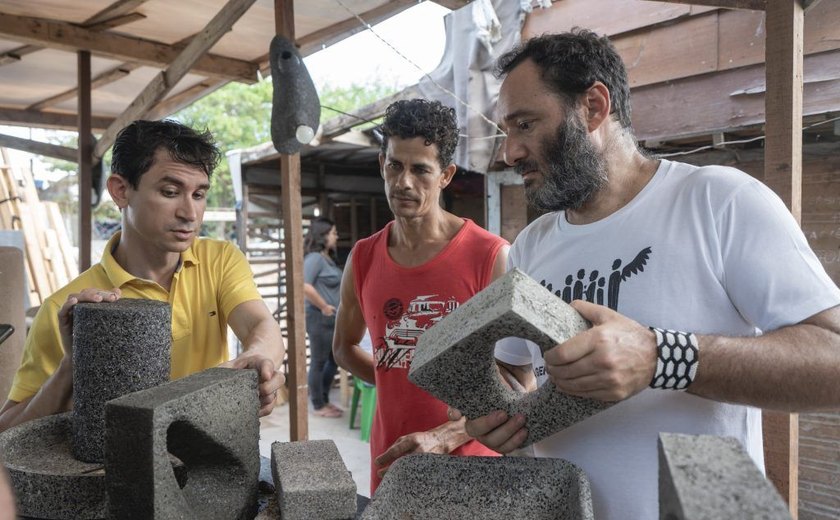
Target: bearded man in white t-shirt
{"x":667,"y":260}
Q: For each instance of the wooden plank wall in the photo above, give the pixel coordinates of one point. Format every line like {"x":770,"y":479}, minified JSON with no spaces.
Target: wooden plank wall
{"x":50,"y":262}
{"x":696,"y":70}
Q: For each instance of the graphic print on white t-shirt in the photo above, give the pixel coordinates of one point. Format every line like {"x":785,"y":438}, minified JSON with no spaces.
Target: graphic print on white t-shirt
{"x":592,"y":286}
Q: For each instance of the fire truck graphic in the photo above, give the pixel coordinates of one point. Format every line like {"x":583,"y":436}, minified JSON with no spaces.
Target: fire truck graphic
{"x":396,"y":347}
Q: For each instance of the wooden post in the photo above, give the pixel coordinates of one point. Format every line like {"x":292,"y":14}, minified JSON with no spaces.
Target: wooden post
{"x":783,"y":173}
{"x":85,"y":159}
{"x":284,"y":18}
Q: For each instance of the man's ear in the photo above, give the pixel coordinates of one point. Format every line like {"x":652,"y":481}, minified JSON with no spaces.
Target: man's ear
{"x":597,"y":105}
{"x":118,"y":187}
{"x":382,"y":164}
{"x":447,"y":174}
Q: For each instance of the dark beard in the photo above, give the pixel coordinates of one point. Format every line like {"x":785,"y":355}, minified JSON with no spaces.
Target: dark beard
{"x":574,"y":170}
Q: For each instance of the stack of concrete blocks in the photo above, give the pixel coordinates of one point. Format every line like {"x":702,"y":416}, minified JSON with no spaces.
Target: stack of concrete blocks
{"x":312,"y":481}
{"x":118,"y":348}
{"x":55,"y":463}
{"x":47,"y":480}
{"x":490,"y":488}
{"x":454,"y":360}
{"x":208,"y":421}
{"x":704,"y":477}
{"x":12,"y":312}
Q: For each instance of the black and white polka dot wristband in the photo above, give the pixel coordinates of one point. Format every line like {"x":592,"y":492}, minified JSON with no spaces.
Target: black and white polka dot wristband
{"x":676,"y":359}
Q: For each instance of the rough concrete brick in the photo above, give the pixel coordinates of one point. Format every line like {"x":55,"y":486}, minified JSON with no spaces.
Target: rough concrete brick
{"x":454,"y":360}
{"x":208,"y":421}
{"x":445,"y":487}
{"x":47,"y":480}
{"x":704,"y":477}
{"x":312,"y":481}
{"x":118,"y":348}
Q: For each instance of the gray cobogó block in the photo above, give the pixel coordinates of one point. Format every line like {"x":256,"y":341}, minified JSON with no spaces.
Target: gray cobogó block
{"x":312,"y":481}
{"x":208,"y":421}
{"x":118,"y":348}
{"x":705,"y":477}
{"x":445,"y":487}
{"x":454,"y":360}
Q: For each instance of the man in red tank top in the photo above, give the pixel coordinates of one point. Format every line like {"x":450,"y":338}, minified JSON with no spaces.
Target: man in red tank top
{"x":407,"y":277}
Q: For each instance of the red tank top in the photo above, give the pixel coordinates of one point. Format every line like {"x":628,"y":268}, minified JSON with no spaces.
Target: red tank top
{"x":398,"y":304}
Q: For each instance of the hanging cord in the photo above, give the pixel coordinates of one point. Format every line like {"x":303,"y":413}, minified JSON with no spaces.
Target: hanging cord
{"x":739,"y":141}
{"x":425,"y":75}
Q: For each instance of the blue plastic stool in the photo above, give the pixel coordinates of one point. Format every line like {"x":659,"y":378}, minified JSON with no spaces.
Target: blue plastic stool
{"x":367,"y":392}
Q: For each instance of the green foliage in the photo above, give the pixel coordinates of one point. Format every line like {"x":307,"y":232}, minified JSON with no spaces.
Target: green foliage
{"x":350,"y":99}
{"x":239,"y":116}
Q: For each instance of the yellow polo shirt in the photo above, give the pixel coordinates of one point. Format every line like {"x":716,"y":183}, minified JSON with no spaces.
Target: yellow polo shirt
{"x":212,"y":279}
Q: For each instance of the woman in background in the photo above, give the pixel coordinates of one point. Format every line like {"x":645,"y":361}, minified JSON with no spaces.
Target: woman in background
{"x":322,"y":281}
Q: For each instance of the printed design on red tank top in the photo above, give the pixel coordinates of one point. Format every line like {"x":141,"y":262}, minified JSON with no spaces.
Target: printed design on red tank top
{"x":404,"y":326}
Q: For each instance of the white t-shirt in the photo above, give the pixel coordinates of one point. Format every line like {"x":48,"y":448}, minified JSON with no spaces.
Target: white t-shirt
{"x":706,"y":250}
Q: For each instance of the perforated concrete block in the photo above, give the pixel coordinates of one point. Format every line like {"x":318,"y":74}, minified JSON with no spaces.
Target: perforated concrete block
{"x":454,"y":360}
{"x":208,"y":421}
{"x":704,"y":477}
{"x":118,"y":348}
{"x":312,"y":481}
{"x":491,"y":488}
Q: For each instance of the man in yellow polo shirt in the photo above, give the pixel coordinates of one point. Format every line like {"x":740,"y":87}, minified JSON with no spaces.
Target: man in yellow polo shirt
{"x":160,"y":175}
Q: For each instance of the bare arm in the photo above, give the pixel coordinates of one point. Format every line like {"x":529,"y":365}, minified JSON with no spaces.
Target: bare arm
{"x":311,"y":294}
{"x":793,"y":369}
{"x":500,"y":264}
{"x":56,"y":394}
{"x":350,"y":329}
{"x":264,"y":348}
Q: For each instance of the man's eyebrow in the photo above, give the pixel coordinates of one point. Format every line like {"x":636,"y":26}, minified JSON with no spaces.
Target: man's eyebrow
{"x":168,"y":179}
{"x":516,"y":114}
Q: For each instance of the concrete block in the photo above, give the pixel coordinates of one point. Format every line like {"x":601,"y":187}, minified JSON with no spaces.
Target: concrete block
{"x":12,"y":308}
{"x":454,"y":360}
{"x":312,"y":481}
{"x":704,"y":477}
{"x":118,"y":348}
{"x":208,"y":421}
{"x":48,"y":482}
{"x":445,"y":487}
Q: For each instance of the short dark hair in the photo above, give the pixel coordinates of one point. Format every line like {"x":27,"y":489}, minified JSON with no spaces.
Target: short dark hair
{"x":316,"y":238}
{"x":572,"y":62}
{"x":431,"y":120}
{"x":136,"y":145}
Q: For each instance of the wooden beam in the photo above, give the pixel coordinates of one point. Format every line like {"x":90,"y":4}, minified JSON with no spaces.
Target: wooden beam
{"x":15,"y":55}
{"x":157,"y":89}
{"x":70,"y":37}
{"x":46,"y":149}
{"x":753,"y":5}
{"x":184,"y":98}
{"x":57,"y":120}
{"x":783,"y":173}
{"x":290,"y":194}
{"x":336,"y":32}
{"x":116,"y":21}
{"x":118,"y":8}
{"x":103,"y":79}
{"x":85,"y":159}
